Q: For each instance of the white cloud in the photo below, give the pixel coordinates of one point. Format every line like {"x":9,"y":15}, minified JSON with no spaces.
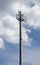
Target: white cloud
{"x":10,"y":22}
{"x":33,"y":14}
{"x":1,"y":43}
{"x":11,"y":36}
{"x":33,"y":18}
{"x":25,"y":39}
{"x":13,"y":8}
{"x":9,"y":27}
{"x":19,"y":6}
{"x":9,"y":30}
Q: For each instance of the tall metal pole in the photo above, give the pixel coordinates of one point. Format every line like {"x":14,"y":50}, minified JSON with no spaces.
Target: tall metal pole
{"x":20,"y":18}
{"x":20,"y":53}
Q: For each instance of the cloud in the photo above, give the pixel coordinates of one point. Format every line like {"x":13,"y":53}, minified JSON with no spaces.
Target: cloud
{"x":19,"y":6}
{"x":33,"y":18}
{"x":25,"y":39}
{"x":33,"y":13}
{"x":9,"y":30}
{"x":10,"y":26}
{"x":1,"y":43}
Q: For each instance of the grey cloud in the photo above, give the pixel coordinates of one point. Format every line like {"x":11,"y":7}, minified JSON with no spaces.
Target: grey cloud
{"x":4,"y":4}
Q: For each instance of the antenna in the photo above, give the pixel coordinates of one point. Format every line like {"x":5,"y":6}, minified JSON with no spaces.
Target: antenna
{"x":20,"y":18}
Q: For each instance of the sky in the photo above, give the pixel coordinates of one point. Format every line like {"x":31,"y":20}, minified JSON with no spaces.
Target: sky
{"x":9,"y":32}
